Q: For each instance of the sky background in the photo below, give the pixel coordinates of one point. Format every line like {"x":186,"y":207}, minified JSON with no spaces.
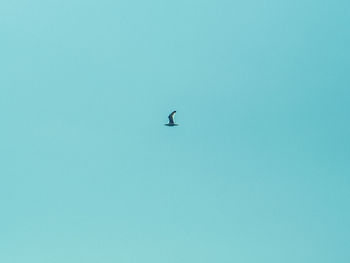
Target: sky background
{"x":257,"y":171}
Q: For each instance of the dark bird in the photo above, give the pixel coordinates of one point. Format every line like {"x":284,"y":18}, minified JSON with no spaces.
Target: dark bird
{"x":171,"y":119}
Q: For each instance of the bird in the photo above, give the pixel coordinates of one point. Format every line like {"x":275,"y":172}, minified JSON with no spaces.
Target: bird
{"x":171,"y":119}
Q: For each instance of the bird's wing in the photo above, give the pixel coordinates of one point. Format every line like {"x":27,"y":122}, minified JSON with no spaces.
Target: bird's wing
{"x":171,"y":117}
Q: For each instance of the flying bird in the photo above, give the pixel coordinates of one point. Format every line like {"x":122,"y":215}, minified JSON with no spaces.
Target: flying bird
{"x":171,"y":119}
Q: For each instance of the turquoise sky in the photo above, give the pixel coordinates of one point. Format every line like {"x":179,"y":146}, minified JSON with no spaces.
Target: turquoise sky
{"x":258,"y":170}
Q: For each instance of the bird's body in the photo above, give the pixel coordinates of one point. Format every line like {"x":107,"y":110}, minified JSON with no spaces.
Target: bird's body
{"x":171,"y":120}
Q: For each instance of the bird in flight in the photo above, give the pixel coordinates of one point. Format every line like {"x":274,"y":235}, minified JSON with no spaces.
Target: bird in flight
{"x":171,"y":119}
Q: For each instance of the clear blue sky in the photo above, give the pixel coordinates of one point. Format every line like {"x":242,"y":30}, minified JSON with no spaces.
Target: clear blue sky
{"x":257,"y":171}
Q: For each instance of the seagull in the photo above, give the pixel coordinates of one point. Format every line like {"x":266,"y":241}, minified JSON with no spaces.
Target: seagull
{"x":171,"y":119}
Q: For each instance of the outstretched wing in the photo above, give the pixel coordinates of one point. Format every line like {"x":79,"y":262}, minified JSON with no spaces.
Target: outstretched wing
{"x":171,"y":117}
